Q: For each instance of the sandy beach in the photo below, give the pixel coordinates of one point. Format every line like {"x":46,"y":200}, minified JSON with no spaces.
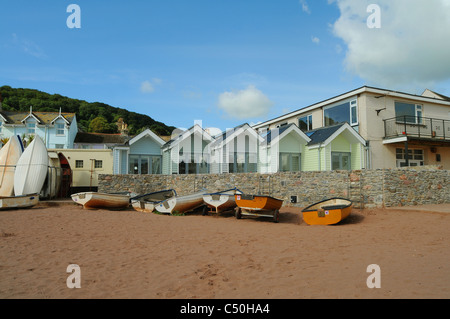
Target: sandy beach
{"x":127,"y":254}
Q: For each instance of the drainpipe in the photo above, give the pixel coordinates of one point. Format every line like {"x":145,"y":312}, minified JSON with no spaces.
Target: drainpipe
{"x":320,"y":157}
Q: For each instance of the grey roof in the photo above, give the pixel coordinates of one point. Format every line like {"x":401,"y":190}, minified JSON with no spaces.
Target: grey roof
{"x":268,"y":136}
{"x":320,"y":135}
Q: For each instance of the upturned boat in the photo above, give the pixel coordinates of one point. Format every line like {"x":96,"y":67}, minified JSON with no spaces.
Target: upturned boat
{"x":147,"y":202}
{"x":181,"y":204}
{"x":94,"y":200}
{"x":258,"y":205}
{"x":31,"y":169}
{"x":327,"y":212}
{"x":9,"y":156}
{"x":221,"y":201}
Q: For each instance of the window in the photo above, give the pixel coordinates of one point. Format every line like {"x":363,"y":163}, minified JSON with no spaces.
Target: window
{"x":59,"y":128}
{"x":1,"y":126}
{"x":290,"y":162}
{"x":415,"y":157}
{"x":305,"y":123}
{"x":409,"y":113}
{"x":59,"y":145}
{"x":79,"y":164}
{"x":346,"y":112}
{"x":144,"y":164}
{"x":98,"y":164}
{"x":340,"y":161}
{"x":31,"y":128}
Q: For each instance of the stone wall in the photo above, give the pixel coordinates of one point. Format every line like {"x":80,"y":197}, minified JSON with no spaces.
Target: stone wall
{"x":375,"y":188}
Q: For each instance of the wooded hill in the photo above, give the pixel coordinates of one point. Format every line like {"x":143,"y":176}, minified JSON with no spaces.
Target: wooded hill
{"x":91,"y":117}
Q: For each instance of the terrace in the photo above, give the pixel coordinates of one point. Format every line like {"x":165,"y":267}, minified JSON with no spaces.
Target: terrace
{"x":403,"y":128}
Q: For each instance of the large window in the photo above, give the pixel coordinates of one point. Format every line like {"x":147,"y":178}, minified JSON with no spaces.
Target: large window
{"x":290,"y":162}
{"x":340,"y":161}
{"x":144,"y":164}
{"x":409,"y":113}
{"x":305,"y":123}
{"x":346,"y":112}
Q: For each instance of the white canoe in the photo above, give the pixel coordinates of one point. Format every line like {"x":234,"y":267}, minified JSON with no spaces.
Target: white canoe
{"x":19,"y":201}
{"x":181,"y":204}
{"x":31,"y":169}
{"x":221,"y":201}
{"x":52,"y":183}
{"x":146,"y":203}
{"x":9,"y":156}
{"x":94,"y":200}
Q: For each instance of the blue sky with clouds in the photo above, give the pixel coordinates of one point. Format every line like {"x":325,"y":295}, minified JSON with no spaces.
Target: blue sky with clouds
{"x":222,"y":62}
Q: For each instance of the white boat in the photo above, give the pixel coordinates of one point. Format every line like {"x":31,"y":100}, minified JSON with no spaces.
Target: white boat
{"x":31,"y":169}
{"x":221,"y":201}
{"x":19,"y":201}
{"x":9,"y":156}
{"x":52,"y":183}
{"x":146,"y":203}
{"x":181,"y":204}
{"x":94,"y":200}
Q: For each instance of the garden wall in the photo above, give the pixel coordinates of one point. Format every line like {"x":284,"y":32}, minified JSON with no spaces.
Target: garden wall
{"x":374,"y":188}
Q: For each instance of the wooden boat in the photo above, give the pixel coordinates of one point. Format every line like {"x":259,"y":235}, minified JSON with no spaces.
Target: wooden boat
{"x":258,"y":205}
{"x":31,"y":169}
{"x":181,"y":204}
{"x":221,"y":201}
{"x":146,"y":203}
{"x":9,"y":156}
{"x":94,"y":200}
{"x":327,"y":212}
{"x":19,"y":201}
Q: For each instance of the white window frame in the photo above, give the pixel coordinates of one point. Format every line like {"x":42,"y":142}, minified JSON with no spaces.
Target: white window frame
{"x":308,"y":121}
{"x":58,"y":129}
{"x":353,"y":102}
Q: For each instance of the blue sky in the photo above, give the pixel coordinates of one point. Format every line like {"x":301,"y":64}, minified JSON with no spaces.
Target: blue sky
{"x":222,"y":62}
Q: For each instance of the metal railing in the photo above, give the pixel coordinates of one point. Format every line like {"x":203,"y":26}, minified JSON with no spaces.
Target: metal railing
{"x":414,"y":126}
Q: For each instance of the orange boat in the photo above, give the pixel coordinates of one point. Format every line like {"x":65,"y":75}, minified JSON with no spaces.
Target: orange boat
{"x":258,"y":205}
{"x":327,"y":212}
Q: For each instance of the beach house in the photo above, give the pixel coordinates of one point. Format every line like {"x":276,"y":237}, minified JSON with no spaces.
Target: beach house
{"x":57,"y":129}
{"x":394,"y":129}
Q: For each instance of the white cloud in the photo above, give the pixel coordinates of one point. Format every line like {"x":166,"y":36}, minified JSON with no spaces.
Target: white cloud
{"x":149,"y":86}
{"x":410,"y":48}
{"x":305,"y":6}
{"x":315,"y":40}
{"x":28,"y":47}
{"x":245,"y":104}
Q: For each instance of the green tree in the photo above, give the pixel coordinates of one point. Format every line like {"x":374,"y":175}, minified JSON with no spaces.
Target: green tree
{"x":101,"y":125}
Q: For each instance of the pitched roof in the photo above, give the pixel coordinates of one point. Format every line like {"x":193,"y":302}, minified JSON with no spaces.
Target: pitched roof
{"x":320,"y":135}
{"x":43,"y":117}
{"x":324,"y":135}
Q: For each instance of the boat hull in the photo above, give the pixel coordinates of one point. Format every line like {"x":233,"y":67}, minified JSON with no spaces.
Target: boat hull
{"x":93,"y":200}
{"x":327,"y":212}
{"x":146,"y":203}
{"x":31,"y":169}
{"x":221,"y":201}
{"x":181,"y":204}
{"x":19,"y":201}
{"x":258,"y":202}
{"x":9,"y":156}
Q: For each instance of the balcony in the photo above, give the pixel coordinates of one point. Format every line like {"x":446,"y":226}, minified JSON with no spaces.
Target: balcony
{"x":404,"y":128}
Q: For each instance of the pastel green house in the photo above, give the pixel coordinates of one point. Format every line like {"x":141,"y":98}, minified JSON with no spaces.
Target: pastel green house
{"x":336,"y":147}
{"x":283,"y":150}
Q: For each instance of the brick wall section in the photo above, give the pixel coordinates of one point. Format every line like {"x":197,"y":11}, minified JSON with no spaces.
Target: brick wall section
{"x":377,"y":188}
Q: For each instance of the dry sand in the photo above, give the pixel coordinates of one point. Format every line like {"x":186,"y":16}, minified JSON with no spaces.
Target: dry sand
{"x":128,"y":254}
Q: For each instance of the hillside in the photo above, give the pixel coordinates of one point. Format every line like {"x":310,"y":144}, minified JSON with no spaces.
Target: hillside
{"x":21,"y":99}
